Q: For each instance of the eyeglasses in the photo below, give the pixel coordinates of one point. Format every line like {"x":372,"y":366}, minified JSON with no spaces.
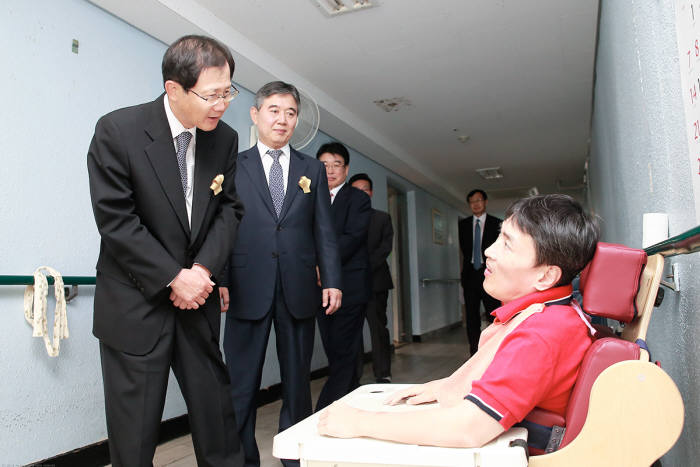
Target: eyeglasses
{"x":214,"y":99}
{"x":333,"y":165}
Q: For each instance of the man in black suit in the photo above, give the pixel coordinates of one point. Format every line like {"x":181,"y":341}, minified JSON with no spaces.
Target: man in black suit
{"x":476,"y":234}
{"x":162,"y":188}
{"x":341,"y":332}
{"x":287,"y":231}
{"x":380,"y":236}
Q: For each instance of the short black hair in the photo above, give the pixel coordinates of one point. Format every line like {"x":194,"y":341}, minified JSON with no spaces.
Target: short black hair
{"x":334,"y":148}
{"x":563,"y":233}
{"x":277,"y":87}
{"x":478,"y":190}
{"x":362,"y":176}
{"x":189,"y":55}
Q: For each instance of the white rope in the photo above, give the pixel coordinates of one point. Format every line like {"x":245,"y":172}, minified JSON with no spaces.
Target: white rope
{"x":35,"y":309}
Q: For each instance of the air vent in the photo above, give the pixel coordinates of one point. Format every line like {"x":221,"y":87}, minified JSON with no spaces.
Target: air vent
{"x":337,"y":7}
{"x":392,"y":104}
{"x":490,"y":173}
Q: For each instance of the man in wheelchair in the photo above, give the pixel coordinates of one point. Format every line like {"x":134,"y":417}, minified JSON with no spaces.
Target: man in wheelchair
{"x":529,"y":357}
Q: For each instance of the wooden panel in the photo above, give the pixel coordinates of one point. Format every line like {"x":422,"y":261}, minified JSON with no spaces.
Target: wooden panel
{"x":635,"y":416}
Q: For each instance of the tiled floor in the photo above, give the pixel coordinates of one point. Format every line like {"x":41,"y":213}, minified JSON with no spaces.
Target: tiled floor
{"x":411,"y":363}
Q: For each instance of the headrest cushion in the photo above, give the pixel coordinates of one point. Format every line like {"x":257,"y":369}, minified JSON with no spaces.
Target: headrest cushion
{"x":610,"y":282}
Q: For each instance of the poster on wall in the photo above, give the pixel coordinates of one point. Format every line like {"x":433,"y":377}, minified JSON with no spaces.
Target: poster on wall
{"x":439,"y":228}
{"x":688,"y":35}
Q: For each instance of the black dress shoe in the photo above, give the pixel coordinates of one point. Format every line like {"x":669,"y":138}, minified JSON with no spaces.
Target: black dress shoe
{"x":386,"y":380}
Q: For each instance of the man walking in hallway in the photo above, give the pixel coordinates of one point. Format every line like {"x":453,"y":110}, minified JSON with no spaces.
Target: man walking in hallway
{"x":162,"y":188}
{"x":476,"y":233}
{"x":341,"y":332}
{"x":287,"y":231}
{"x":380,"y":237}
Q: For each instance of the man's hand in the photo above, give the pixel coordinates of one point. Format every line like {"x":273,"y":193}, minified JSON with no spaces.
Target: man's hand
{"x":340,"y":421}
{"x":190,"y":288}
{"x":332,"y":299}
{"x":414,"y":395}
{"x":224,"y":298}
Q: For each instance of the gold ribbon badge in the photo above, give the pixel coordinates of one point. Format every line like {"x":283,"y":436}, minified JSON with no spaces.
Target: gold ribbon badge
{"x":216,"y":184}
{"x":305,"y":184}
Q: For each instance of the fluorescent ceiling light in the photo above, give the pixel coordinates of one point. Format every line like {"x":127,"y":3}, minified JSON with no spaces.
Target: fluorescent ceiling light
{"x":490,"y":173}
{"x":336,"y":7}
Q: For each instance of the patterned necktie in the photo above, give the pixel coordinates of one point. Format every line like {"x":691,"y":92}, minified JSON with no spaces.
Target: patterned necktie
{"x":183,"y":141}
{"x":477,"y":246}
{"x":276,"y":180}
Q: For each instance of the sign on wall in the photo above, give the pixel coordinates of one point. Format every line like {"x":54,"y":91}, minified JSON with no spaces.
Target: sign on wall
{"x":688,"y":35}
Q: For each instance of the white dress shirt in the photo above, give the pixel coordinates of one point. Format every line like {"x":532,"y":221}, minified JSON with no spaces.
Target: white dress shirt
{"x":267,"y":161}
{"x":335,"y":191}
{"x":482,"y":220}
{"x":176,"y":128}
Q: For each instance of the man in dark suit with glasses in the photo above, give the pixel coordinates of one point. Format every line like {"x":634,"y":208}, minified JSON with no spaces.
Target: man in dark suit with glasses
{"x":163,"y":194}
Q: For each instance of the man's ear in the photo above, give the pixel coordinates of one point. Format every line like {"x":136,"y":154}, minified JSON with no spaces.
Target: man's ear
{"x":171,"y":89}
{"x":254,"y":114}
{"x":549,"y":277}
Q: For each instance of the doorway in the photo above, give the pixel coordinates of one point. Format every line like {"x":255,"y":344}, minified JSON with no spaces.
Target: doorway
{"x":398,"y":263}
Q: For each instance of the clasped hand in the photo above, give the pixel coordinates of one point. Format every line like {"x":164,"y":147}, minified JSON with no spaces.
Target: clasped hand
{"x":191,"y":287}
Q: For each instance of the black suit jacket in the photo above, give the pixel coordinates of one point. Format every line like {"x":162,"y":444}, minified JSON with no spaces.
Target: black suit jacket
{"x":141,"y":216}
{"x":351,"y":212}
{"x":380,"y":238}
{"x":300,"y":239}
{"x":491,"y":229}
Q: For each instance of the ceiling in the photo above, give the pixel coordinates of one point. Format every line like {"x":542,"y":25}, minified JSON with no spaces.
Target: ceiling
{"x":515,"y":77}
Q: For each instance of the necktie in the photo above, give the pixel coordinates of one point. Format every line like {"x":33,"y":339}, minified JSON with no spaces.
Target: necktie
{"x":276,"y":180}
{"x":183,"y":140}
{"x":477,"y":246}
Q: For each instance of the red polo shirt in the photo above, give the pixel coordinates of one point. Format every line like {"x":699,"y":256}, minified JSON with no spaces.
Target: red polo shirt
{"x":537,"y":363}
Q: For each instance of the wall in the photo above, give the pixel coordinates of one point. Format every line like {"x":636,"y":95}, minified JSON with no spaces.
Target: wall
{"x":639,"y":164}
{"x":52,"y":99}
{"x":436,"y":304}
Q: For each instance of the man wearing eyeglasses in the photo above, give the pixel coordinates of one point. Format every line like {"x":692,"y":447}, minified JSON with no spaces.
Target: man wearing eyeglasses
{"x":163,"y":194}
{"x":476,"y":234}
{"x":341,"y":332}
{"x":287,"y":231}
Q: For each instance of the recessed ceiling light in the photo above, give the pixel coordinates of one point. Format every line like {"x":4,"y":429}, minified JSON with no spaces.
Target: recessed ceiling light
{"x":490,"y":173}
{"x":463,"y":138}
{"x":392,"y":104}
{"x":336,"y":7}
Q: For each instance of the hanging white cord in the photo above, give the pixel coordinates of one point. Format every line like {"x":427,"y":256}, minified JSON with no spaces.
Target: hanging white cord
{"x":35,"y":309}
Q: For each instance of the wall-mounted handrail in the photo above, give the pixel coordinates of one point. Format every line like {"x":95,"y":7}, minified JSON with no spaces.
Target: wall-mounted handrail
{"x":682,"y":244}
{"x":29,"y":280}
{"x":72,"y":281}
{"x":426,"y":280}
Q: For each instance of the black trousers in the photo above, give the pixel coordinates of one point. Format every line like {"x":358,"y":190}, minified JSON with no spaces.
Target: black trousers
{"x":135,"y":388}
{"x":381,"y":344}
{"x":474,"y":294}
{"x":341,"y":334}
{"x":245,"y":345}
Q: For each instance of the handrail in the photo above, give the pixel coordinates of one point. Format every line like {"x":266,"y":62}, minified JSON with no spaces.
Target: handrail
{"x":72,"y":281}
{"x":682,"y":244}
{"x":29,"y":280}
{"x":427,"y":280}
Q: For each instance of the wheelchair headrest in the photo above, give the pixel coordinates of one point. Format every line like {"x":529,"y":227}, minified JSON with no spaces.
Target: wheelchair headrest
{"x":610,"y":282}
